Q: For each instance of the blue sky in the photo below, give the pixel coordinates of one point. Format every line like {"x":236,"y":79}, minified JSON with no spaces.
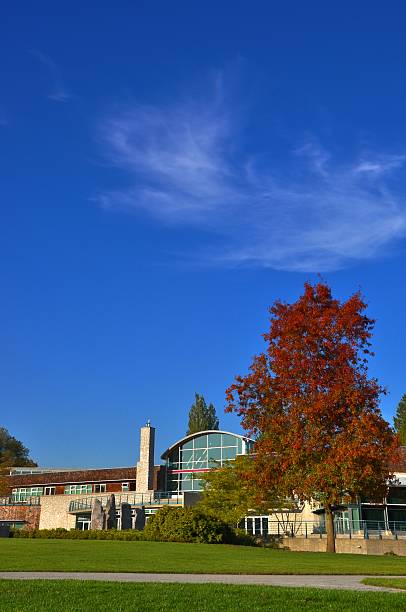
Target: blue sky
{"x":168,"y":170}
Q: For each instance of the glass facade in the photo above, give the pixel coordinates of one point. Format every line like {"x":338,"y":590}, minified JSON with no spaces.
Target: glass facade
{"x":199,"y":454}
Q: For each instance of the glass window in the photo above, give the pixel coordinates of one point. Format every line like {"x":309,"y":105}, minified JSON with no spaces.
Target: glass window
{"x":249,"y":445}
{"x":100,"y":488}
{"x":200,"y":455}
{"x":214,"y":457}
{"x":239,"y":446}
{"x":186,"y":482}
{"x":397,"y":495}
{"x":200,"y":459}
{"x":188,"y":444}
{"x":187,"y":455}
{"x":125,"y":486}
{"x":22,"y":493}
{"x":77,"y":489}
{"x":197,"y":484}
{"x":397,"y":519}
{"x":173,"y":482}
{"x":201,"y":442}
{"x":229,"y":453}
{"x":19,"y":494}
{"x":229,"y":440}
{"x":49,"y":491}
{"x":173,"y":460}
{"x":374,"y":516}
{"x":214,"y":440}
{"x":214,"y":453}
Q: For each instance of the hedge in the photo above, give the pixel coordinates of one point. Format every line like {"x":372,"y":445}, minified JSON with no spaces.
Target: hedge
{"x":167,"y":525}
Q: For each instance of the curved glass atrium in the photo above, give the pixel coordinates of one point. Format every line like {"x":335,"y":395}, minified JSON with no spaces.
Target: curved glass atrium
{"x":199,"y":453}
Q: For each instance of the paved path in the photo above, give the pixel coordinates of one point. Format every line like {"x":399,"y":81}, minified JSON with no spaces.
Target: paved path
{"x":318,"y":581}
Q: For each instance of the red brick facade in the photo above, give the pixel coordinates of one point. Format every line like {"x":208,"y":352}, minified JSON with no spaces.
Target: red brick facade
{"x":27,"y":514}
{"x":112,"y":477}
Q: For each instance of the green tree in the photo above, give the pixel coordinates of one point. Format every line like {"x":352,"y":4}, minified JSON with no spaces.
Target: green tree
{"x":400,"y":420}
{"x":201,"y":416}
{"x":13,"y":452}
{"x":227,"y":493}
{"x":230,"y":494}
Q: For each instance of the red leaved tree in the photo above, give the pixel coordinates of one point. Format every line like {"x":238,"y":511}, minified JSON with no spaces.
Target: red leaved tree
{"x":311,"y":407}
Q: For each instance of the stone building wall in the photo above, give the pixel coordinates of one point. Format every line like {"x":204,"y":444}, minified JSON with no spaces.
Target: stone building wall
{"x":145,"y":466}
{"x":54,"y":511}
{"x":357,"y":546}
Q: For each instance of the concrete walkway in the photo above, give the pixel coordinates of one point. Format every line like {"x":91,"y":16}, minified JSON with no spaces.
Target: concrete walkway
{"x":317,"y":581}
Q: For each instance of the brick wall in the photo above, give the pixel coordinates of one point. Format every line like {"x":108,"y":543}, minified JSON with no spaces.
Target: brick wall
{"x":29,"y":514}
{"x":125,"y":474}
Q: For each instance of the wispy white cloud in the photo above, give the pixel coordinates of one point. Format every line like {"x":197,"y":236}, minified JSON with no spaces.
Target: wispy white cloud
{"x":58,"y":91}
{"x":315,"y":214}
{"x":380,"y":164}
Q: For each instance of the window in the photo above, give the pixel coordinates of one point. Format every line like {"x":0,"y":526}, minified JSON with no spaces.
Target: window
{"x":229,"y":440}
{"x":19,"y":494}
{"x":229,"y":453}
{"x":36,"y":491}
{"x":202,"y":452}
{"x":201,"y":442}
{"x":214,"y":439}
{"x":125,"y":486}
{"x":83,"y":522}
{"x":77,"y":489}
{"x":397,"y":495}
{"x":100,"y":488}
{"x":49,"y":491}
{"x":187,"y":455}
{"x":22,"y":493}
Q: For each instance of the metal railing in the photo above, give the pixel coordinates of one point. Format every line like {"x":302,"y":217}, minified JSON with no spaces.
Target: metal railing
{"x":20,"y":501}
{"x":314,"y":529}
{"x":134,"y":499}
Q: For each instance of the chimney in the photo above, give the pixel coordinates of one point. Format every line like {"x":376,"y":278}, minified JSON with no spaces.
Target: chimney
{"x":145,"y":465}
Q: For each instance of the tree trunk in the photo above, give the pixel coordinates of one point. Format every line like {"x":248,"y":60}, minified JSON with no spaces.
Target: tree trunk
{"x":331,"y":542}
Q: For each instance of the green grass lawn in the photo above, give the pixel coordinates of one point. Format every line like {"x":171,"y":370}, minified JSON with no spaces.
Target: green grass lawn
{"x":393,"y":583}
{"x":72,"y":596}
{"x":116,"y":556}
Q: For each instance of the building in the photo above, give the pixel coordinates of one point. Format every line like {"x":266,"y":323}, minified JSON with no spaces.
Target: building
{"x":51,"y":498}
{"x":81,"y":498}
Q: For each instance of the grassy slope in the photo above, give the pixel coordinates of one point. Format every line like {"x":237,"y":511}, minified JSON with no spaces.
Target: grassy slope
{"x":71,"y":596}
{"x":116,"y":556}
{"x":393,"y":583}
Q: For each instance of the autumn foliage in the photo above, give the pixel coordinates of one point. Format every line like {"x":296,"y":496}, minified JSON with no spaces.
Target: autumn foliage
{"x":310,"y":405}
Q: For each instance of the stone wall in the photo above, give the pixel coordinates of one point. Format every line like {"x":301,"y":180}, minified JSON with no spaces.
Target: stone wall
{"x":357,"y":546}
{"x":29,"y":514}
{"x":54,"y":511}
{"x":145,"y":465}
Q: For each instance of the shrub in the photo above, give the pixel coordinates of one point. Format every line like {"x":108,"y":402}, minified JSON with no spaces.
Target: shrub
{"x":188,"y":525}
{"x":78,"y":534}
{"x":167,"y":525}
